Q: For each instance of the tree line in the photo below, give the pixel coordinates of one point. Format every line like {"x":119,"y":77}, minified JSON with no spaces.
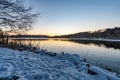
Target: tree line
{"x":109,"y":33}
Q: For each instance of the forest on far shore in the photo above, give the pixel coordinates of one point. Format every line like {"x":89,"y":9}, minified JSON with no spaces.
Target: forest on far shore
{"x":109,"y":33}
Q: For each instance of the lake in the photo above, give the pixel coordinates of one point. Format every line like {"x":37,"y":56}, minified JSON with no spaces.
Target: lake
{"x":104,"y":54}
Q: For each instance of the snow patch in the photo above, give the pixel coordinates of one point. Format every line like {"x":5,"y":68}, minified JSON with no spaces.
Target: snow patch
{"x":27,"y":65}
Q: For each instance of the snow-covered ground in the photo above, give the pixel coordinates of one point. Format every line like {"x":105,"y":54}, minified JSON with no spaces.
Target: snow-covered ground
{"x":44,"y":65}
{"x":96,"y":39}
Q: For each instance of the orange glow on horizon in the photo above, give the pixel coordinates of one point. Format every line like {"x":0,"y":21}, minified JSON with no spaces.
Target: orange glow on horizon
{"x":61,"y":32}
{"x":37,"y":33}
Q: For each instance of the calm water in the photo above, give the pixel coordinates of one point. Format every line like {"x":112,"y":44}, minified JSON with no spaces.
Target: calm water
{"x":102,"y":54}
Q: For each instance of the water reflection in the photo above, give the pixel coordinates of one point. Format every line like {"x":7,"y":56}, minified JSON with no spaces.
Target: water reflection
{"x":99,"y":53}
{"x":107,"y":44}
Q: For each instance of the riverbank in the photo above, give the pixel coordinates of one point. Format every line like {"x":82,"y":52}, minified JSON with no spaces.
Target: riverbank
{"x":43,"y":65}
{"x":85,"y":39}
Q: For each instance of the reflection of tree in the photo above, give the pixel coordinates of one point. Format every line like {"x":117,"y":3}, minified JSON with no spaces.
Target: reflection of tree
{"x":107,"y":44}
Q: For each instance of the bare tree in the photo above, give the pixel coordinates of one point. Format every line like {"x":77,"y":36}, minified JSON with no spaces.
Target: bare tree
{"x":14,"y":17}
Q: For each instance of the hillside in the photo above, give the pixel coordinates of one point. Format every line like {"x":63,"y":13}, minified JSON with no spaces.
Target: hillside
{"x":109,"y":33}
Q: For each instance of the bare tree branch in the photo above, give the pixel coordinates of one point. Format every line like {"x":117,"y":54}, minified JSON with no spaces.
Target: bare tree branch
{"x":14,"y":17}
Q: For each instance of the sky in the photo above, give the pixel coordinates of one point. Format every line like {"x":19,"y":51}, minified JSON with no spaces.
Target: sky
{"x":59,"y":17}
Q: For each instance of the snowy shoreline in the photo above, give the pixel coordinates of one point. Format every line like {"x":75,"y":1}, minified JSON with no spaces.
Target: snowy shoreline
{"x":44,"y":65}
{"x":89,"y":39}
{"x":95,"y":39}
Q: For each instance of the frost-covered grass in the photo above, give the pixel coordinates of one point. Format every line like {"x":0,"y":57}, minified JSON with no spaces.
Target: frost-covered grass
{"x":43,"y":65}
{"x":20,"y":45}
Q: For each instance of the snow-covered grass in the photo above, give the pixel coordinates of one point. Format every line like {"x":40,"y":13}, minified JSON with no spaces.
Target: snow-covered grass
{"x":43,"y":65}
{"x":20,"y":45}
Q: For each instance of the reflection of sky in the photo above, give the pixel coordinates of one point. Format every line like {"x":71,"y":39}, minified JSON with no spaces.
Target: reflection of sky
{"x":69,"y":16}
{"x":94,"y":53}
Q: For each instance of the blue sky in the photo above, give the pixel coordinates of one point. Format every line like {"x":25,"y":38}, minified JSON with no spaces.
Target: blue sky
{"x":70,"y":16}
